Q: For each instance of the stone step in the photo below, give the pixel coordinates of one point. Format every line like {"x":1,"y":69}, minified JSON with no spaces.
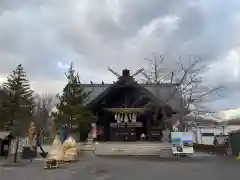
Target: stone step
{"x":131,"y":149}
{"x":132,"y":146}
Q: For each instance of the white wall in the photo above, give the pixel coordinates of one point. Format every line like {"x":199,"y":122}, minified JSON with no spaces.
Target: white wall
{"x":198,"y":138}
{"x":232,"y":128}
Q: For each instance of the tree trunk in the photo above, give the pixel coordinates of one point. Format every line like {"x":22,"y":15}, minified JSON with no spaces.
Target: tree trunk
{"x":16,"y":150}
{"x":181,"y":123}
{"x":169,"y":127}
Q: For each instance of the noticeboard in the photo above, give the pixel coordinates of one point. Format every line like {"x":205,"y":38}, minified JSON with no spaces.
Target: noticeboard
{"x":182,"y":142}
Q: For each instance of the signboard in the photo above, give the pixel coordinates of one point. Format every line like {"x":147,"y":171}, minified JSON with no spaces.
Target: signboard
{"x":132,"y":124}
{"x":182,"y":142}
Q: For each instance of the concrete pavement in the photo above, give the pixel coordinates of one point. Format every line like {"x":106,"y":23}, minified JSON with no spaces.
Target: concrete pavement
{"x":146,"y":149}
{"x":120,"y":148}
{"x":96,"y":168}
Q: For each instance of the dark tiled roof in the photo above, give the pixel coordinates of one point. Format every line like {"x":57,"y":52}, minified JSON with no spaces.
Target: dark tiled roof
{"x":200,"y":121}
{"x":235,"y":121}
{"x":159,"y":91}
{"x":124,"y":82}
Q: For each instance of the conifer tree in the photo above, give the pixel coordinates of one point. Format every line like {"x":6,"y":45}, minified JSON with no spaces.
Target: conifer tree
{"x":20,"y":96}
{"x":19,"y":103}
{"x":4,"y":113}
{"x":71,"y":107}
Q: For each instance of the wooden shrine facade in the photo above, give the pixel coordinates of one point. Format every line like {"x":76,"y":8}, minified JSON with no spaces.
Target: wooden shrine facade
{"x":126,"y":110}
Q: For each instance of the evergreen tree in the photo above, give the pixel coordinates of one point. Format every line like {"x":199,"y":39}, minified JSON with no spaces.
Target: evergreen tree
{"x":71,"y":107}
{"x":4,"y":113}
{"x":20,"y":103}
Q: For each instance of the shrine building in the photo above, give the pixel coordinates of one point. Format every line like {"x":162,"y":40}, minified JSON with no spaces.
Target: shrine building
{"x":125,"y":110}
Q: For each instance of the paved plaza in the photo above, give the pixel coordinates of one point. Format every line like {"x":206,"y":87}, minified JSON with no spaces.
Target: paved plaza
{"x":142,"y":168}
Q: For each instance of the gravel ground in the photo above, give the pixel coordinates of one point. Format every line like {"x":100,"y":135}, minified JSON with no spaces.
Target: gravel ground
{"x":138,"y":168}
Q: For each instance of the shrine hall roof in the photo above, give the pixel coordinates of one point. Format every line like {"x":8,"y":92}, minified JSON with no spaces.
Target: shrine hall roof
{"x":158,"y":93}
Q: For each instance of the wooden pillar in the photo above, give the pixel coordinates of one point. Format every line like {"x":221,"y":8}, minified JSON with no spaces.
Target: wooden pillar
{"x":148,"y":124}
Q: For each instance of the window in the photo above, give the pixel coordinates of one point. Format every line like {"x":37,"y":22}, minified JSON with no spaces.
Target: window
{"x":207,"y":134}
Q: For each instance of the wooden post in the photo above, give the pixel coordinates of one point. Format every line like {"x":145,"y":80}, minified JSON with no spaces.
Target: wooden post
{"x":16,"y":150}
{"x":148,"y":124}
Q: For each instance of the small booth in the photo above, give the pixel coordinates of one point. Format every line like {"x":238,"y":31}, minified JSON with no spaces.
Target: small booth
{"x":234,"y":142}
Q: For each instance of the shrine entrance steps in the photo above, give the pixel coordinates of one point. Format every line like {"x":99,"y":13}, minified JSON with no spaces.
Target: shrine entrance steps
{"x":132,"y":148}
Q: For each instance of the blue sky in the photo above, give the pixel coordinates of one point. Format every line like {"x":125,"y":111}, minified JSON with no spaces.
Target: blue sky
{"x":95,"y":34}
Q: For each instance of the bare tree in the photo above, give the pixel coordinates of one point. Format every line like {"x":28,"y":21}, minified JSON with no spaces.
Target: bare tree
{"x":44,"y":103}
{"x":196,"y":95}
{"x":156,"y":74}
{"x":188,"y":76}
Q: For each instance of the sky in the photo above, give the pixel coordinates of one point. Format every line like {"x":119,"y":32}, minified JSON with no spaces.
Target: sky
{"x":229,"y":114}
{"x":45,"y":36}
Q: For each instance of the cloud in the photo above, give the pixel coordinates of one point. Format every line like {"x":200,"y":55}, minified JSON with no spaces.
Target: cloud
{"x":46,"y":35}
{"x":227,"y":69}
{"x":230,"y":114}
{"x":62,"y":66}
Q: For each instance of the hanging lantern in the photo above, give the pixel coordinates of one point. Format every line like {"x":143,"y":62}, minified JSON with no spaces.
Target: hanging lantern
{"x":118,"y":118}
{"x":121,"y":116}
{"x":130,"y":116}
{"x":134,"y":117}
{"x":125,"y":118}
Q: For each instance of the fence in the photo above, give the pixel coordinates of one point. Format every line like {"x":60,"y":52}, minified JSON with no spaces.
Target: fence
{"x":23,"y":141}
{"x":219,"y":150}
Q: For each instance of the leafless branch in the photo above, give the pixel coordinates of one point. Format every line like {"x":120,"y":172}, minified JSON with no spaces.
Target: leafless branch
{"x":190,"y":84}
{"x":44,"y":103}
{"x":193,"y":90}
{"x":157,"y":74}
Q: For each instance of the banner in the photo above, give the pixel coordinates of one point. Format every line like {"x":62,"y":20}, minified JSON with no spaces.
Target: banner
{"x":182,"y":142}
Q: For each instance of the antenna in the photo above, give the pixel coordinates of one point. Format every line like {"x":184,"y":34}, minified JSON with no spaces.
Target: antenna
{"x":114,"y":72}
{"x":138,"y":72}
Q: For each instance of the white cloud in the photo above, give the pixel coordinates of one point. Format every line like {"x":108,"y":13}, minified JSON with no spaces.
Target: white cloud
{"x":2,"y":78}
{"x":228,"y":68}
{"x":230,"y":114}
{"x":166,"y":24}
{"x":46,"y":35}
{"x":63,"y":66}
{"x":43,"y":85}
